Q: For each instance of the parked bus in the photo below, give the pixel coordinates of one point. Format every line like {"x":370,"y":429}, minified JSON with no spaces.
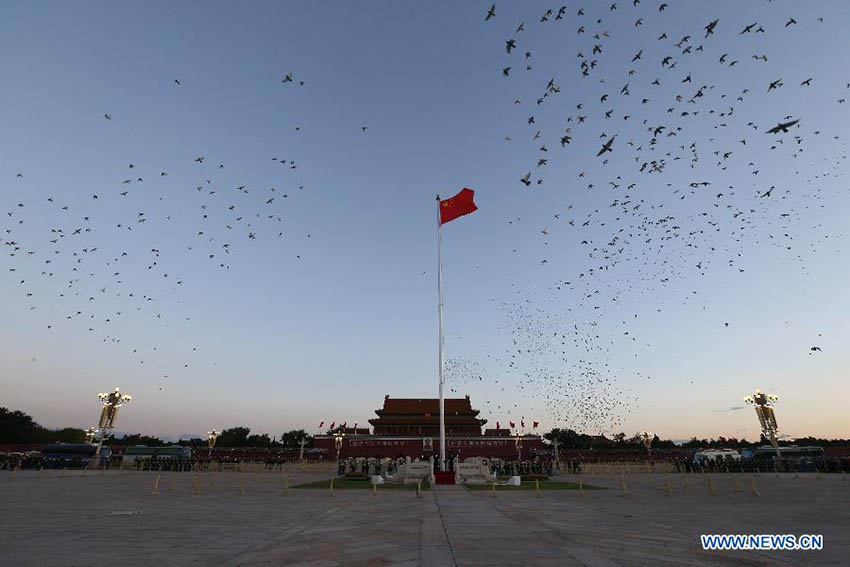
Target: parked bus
{"x":716,"y":455}
{"x":792,"y":452}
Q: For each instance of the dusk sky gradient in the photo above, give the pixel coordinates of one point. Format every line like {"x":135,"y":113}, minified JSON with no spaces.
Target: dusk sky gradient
{"x":320,"y":323}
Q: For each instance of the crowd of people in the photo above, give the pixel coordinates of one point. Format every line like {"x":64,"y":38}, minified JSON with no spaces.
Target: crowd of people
{"x":369,"y":466}
{"x":36,"y":460}
{"x":762,"y":465}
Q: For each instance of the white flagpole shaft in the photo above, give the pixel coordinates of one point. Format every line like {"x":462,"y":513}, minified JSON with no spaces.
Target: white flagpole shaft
{"x":440,"y":343}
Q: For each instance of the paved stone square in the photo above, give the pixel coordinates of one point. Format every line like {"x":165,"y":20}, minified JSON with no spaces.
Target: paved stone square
{"x":51,"y":518}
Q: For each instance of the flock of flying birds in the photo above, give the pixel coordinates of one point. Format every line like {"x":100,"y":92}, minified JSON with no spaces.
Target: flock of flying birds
{"x":665,"y":189}
{"x":673,"y":179}
{"x":116,"y":255}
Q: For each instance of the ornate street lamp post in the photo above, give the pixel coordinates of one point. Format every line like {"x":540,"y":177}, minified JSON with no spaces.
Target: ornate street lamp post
{"x":338,"y":437}
{"x":767,"y":418}
{"x":212,"y":437}
{"x":90,"y":433}
{"x":111,"y":402}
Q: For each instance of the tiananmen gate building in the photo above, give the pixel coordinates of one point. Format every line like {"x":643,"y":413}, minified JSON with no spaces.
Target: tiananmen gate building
{"x":410,"y":427}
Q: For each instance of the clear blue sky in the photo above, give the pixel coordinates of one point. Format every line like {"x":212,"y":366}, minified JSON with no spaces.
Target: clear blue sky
{"x":320,"y":322}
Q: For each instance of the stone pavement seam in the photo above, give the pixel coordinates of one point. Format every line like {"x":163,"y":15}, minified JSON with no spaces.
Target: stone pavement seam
{"x":440,"y":552}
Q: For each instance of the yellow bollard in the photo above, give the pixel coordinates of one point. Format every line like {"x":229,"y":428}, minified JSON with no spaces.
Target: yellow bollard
{"x":668,"y":490}
{"x":580,"y":487}
{"x":623,"y":482}
{"x":243,"y":486}
{"x":419,"y":489}
{"x":286,"y":487}
{"x":64,"y":470}
{"x":493,"y":491}
{"x":374,"y":489}
{"x":753,"y":487}
{"x":711,"y":488}
{"x":332,"y":487}
{"x":537,"y":486}
{"x":155,"y":486}
{"x":174,"y":482}
{"x":737,"y":486}
{"x":12,"y":473}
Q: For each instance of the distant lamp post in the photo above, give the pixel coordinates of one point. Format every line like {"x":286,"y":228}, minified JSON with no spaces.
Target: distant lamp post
{"x":767,"y":418}
{"x":338,"y":437}
{"x":646,"y":438}
{"x":212,"y":437}
{"x":111,"y":402}
{"x":518,"y":442}
{"x":90,"y":433}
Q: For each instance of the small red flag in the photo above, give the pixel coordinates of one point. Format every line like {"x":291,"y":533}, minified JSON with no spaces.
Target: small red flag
{"x":332,"y":425}
{"x":497,"y":426}
{"x":522,"y":422}
{"x":457,"y":206}
{"x":321,"y":424}
{"x":535,"y":425}
{"x":513,"y":425}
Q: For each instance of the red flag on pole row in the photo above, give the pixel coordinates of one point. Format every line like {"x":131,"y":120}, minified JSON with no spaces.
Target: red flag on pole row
{"x":457,"y":206}
{"x":535,"y":424}
{"x":513,"y":425}
{"x":321,"y":424}
{"x":332,"y":425}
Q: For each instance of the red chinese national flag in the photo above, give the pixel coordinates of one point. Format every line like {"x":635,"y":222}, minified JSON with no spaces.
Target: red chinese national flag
{"x":321,"y":424}
{"x":535,"y":424}
{"x":457,"y":206}
{"x":513,"y":425}
{"x":497,"y":426}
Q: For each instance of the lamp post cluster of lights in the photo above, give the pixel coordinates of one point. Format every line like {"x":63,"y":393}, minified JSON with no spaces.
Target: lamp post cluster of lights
{"x":111,"y":402}
{"x":518,"y":443}
{"x":338,"y":438}
{"x":90,"y":434}
{"x":212,"y":437}
{"x":767,"y":418}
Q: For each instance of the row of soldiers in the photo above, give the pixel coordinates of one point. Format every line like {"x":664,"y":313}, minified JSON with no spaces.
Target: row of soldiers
{"x":368,"y":466}
{"x":502,"y":467}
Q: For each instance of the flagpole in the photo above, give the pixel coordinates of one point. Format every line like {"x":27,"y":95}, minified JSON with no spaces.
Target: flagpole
{"x":440,"y":343}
